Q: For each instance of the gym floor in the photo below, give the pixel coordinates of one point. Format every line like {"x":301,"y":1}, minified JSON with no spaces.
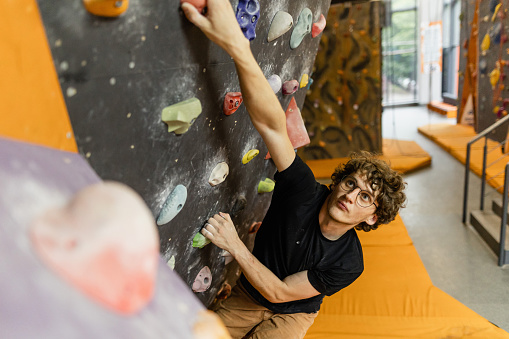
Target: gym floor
{"x":456,"y":258}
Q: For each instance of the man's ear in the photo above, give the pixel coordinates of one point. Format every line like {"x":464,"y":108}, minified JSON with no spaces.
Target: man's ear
{"x":372,"y":220}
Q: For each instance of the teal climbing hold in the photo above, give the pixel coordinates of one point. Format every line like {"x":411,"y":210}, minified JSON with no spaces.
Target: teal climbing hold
{"x":173,"y":204}
{"x":302,"y":27}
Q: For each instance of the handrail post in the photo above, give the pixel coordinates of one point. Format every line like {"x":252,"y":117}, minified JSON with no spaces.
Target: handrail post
{"x":503,"y":226}
{"x":483,"y":177}
{"x":465,"y":193}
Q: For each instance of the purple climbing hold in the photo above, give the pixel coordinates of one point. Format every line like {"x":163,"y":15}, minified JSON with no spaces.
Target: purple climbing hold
{"x":275,"y":82}
{"x":248,"y":12}
{"x":290,"y":87}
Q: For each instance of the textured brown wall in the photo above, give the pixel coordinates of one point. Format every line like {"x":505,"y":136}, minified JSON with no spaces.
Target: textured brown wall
{"x":343,"y":107}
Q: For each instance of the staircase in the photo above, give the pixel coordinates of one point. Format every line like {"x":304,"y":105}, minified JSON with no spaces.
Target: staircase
{"x":491,"y":224}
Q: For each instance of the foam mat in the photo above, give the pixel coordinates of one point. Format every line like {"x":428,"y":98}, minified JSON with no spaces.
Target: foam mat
{"x":454,"y":139}
{"x":403,"y":156}
{"x":395,"y":298}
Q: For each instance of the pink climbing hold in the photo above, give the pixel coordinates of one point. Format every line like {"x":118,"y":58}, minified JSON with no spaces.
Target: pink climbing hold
{"x":318,"y":26}
{"x":199,"y":4}
{"x":295,"y":127}
{"x":203,"y":280}
{"x":232,"y":101}
{"x":103,"y":242}
{"x":290,"y":87}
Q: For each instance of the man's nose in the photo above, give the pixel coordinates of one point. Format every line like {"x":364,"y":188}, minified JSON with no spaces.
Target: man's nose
{"x":352,"y":195}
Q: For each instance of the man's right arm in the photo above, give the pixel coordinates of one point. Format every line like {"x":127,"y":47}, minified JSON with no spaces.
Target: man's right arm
{"x":267,"y":115}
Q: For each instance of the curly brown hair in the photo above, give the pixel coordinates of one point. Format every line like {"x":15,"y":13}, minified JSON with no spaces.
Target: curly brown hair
{"x":382,"y":179}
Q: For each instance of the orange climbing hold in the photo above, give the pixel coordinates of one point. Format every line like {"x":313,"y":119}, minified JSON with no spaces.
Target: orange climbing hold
{"x":106,"y":8}
{"x":232,"y":101}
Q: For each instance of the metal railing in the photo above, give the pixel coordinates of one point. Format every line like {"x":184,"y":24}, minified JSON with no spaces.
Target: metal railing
{"x":503,"y":254}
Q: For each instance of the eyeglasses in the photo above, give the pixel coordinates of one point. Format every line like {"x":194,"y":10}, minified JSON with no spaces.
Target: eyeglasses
{"x":364,"y":199}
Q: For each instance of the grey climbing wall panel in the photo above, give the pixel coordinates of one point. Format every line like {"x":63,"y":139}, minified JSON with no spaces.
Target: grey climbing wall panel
{"x":118,"y":74}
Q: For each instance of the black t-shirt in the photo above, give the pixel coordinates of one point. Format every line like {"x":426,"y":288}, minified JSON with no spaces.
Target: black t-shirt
{"x":290,"y":241}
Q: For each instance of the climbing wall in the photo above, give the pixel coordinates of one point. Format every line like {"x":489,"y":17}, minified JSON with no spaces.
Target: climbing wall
{"x":343,"y":108}
{"x":118,"y":74}
{"x":493,"y":60}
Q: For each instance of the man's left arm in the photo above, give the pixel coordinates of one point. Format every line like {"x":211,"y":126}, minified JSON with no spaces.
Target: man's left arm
{"x":221,"y":231}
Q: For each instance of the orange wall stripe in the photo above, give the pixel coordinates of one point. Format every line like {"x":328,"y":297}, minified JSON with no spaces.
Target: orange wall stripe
{"x":32,"y":105}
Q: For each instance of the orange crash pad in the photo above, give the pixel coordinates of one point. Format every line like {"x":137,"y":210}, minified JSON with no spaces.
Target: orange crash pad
{"x":394,"y":298}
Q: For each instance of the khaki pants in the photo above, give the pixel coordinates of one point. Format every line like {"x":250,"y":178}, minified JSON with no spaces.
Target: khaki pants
{"x":245,"y":318}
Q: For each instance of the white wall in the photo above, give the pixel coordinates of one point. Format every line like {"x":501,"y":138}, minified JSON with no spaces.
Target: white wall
{"x":430,"y":84}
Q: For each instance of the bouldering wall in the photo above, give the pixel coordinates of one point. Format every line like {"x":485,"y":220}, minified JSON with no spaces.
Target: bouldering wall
{"x":118,"y":74}
{"x":490,"y":72}
{"x":343,"y":108}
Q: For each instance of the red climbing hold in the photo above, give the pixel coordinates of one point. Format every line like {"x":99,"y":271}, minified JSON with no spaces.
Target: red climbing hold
{"x":199,"y":4}
{"x":318,"y":26}
{"x":295,"y":127}
{"x":232,"y":102}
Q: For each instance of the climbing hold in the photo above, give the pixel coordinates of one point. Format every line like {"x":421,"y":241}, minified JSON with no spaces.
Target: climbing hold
{"x":281,"y":24}
{"x":275,"y":82}
{"x":199,"y":4}
{"x":295,"y":126}
{"x":483,"y":66}
{"x":485,"y":45}
{"x":180,"y":116}
{"x":171,"y":262}
{"x":203,"y":280}
{"x":495,"y":12}
{"x":173,"y":204}
{"x":254,"y":227}
{"x":219,"y":174}
{"x":495,"y":33}
{"x":228,"y":257}
{"x":199,"y":241}
{"x":249,"y":156}
{"x":318,"y":26}
{"x":104,"y":243}
{"x":106,"y":8}
{"x":232,"y":101}
{"x":225,"y":292}
{"x":290,"y":87}
{"x":304,"y":80}
{"x":266,"y":186}
{"x":239,"y":205}
{"x":302,"y":28}
{"x":248,"y":12}
{"x":310,"y":82}
{"x":494,"y":76}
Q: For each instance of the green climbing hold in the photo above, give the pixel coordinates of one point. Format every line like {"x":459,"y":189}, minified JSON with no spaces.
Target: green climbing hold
{"x":180,"y":116}
{"x":266,"y":186}
{"x":199,"y":240}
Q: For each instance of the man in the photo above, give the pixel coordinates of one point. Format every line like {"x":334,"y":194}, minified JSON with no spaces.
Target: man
{"x":306,"y":247}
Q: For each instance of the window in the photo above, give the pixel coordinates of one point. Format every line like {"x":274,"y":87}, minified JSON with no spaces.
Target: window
{"x":399,"y":47}
{"x":451,"y":50}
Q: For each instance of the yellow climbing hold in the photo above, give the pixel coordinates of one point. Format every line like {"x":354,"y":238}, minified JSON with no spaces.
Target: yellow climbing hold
{"x":249,"y":156}
{"x":494,"y":76}
{"x":266,"y":186}
{"x":304,"y":80}
{"x":496,"y":109}
{"x":496,"y":11}
{"x":485,"y":45}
